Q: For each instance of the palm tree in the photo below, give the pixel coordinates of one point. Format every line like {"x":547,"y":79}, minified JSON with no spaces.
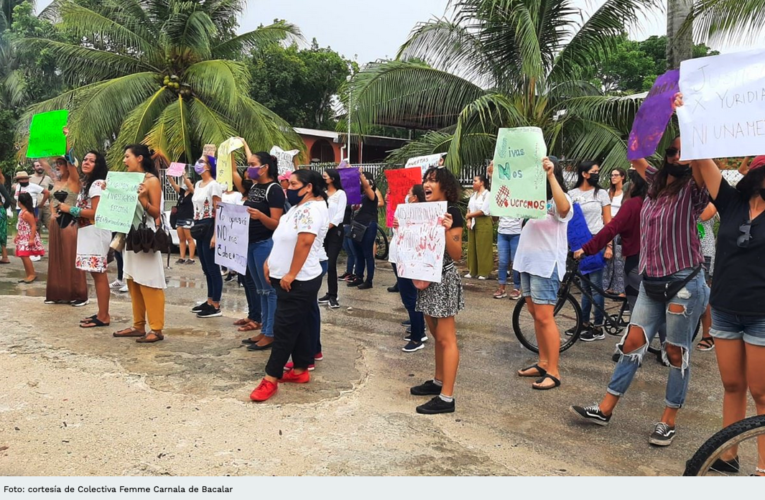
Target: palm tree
{"x":164,"y":72}
{"x":504,"y":63}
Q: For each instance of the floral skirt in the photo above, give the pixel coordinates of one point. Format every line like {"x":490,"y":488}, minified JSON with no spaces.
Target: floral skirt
{"x":92,"y":249}
{"x":442,"y":300}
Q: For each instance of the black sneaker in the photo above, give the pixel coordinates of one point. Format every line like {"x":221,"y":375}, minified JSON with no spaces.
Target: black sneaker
{"x":393,"y":289}
{"x":324,"y":300}
{"x":343,"y":277}
{"x":572,"y":330}
{"x":229,"y":277}
{"x":662,"y":435}
{"x":409,"y":338}
{"x":355,"y":282}
{"x":80,"y":303}
{"x":729,"y":466}
{"x":429,"y":388}
{"x":406,"y":323}
{"x":211,"y":312}
{"x":365,"y":286}
{"x":592,"y":335}
{"x":591,"y":414}
{"x":413,"y":346}
{"x":436,"y":406}
{"x":333,"y":303}
{"x":201,"y":307}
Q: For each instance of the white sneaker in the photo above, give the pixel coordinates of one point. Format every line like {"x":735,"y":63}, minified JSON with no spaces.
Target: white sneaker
{"x":468,"y":276}
{"x":35,"y":258}
{"x":116,"y":284}
{"x":482,"y":278}
{"x":123,"y":289}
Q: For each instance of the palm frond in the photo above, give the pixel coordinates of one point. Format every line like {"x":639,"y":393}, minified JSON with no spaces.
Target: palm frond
{"x":279,"y":32}
{"x":219,"y":81}
{"x":139,"y":122}
{"x":725,"y":21}
{"x":593,"y":140}
{"x":189,"y":31}
{"x":171,"y":134}
{"x":262,"y":128}
{"x":208,"y":126}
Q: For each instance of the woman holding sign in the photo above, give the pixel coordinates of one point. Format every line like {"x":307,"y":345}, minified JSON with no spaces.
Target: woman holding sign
{"x":440,"y":302}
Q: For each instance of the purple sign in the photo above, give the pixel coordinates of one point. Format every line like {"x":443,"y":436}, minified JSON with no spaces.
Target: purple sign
{"x":653,"y":116}
{"x":351,"y":184}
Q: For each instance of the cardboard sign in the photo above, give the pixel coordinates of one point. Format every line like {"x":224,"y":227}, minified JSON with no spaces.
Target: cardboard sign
{"x":653,"y":116}
{"x":724,"y":105}
{"x":209,"y":150}
{"x":424,"y":162}
{"x":400,"y":181}
{"x":285,"y":159}
{"x":224,"y":176}
{"x":351,"y":180}
{"x":46,"y":134}
{"x":519,"y":183}
{"x":421,"y":241}
{"x":232,"y":231}
{"x":118,"y":202}
{"x":176,"y":169}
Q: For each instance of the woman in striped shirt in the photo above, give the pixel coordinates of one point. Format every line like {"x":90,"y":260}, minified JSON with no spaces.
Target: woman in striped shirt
{"x":670,"y":254}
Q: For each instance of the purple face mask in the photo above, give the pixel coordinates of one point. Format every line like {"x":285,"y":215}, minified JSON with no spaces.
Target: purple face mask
{"x":199,"y":167}
{"x":253,"y":173}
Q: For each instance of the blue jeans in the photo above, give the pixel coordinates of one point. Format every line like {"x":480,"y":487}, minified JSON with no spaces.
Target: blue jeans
{"x":315,"y":315}
{"x":597,"y":279}
{"x":507,"y":245}
{"x":543,"y":291}
{"x":257,"y":254}
{"x":650,"y":315}
{"x":350,"y":251}
{"x":750,"y":329}
{"x":253,"y":299}
{"x":210,"y":268}
{"x":365,"y":253}
{"x":408,"y":293}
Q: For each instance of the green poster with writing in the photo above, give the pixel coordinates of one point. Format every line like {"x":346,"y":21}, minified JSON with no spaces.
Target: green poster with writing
{"x":519,"y":183}
{"x":118,"y":202}
{"x":46,"y":134}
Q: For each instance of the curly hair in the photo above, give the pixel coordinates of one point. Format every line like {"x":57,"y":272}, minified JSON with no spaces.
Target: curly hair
{"x":444,"y":178}
{"x":752,"y":182}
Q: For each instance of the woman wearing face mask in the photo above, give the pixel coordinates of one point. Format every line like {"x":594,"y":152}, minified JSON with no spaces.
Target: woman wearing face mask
{"x":480,"y":230}
{"x":265,"y":200}
{"x":5,"y":204}
{"x":295,"y":271}
{"x":66,"y":284}
{"x":144,"y":271}
{"x":334,"y":242}
{"x":367,"y":215}
{"x":207,"y":195}
{"x":613,"y":278}
{"x":670,"y":256}
{"x":596,"y":208}
{"x":185,"y":218}
{"x":92,"y":242}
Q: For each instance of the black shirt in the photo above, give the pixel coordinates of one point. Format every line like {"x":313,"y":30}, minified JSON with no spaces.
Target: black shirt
{"x":185,"y":206}
{"x":739,"y":278}
{"x":457,"y":221}
{"x":263,"y":197}
{"x":368,"y":211}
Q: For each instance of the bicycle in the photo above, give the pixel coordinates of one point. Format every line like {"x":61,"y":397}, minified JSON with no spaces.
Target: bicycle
{"x":747,"y":435}
{"x":381,"y":244}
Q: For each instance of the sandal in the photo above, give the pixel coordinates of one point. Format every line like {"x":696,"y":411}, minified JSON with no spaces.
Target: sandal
{"x":5,"y":261}
{"x":88,"y":319}
{"x":253,"y":340}
{"x":94,"y":323}
{"x":27,"y":282}
{"x":706,"y":344}
{"x":241,"y":322}
{"x":250,"y":327}
{"x":128,"y":332}
{"x":541,"y":372}
{"x":150,"y":338}
{"x":537,"y":385}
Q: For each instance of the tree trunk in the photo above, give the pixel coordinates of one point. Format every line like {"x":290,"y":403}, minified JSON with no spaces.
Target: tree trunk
{"x":679,"y":48}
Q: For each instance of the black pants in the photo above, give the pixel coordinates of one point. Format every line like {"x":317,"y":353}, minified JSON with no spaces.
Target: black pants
{"x":333,"y":243}
{"x":292,"y":326}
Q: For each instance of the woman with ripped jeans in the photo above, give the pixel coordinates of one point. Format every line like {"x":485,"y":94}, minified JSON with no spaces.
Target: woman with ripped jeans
{"x":670,"y":259}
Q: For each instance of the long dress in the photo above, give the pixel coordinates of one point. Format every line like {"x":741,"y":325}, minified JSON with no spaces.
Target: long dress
{"x":92,"y":242}
{"x":66,"y":283}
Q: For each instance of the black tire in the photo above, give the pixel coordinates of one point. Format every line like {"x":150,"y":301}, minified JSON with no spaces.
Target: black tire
{"x":655,"y":346}
{"x":568,"y":315}
{"x":732,"y":435}
{"x":381,"y":241}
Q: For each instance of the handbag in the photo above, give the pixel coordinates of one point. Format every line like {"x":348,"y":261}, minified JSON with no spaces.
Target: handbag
{"x":201,"y":229}
{"x":147,"y":240}
{"x":664,"y":292}
{"x":163,"y":241}
{"x":357,"y":231}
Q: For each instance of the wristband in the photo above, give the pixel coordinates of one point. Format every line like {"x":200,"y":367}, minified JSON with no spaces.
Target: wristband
{"x":75,"y":212}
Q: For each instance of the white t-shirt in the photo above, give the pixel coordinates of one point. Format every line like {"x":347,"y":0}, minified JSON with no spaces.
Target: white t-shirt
{"x":592,"y":206}
{"x":310,"y":217}
{"x":479,"y":203}
{"x":233,"y":198}
{"x":510,"y":225}
{"x":544,"y":244}
{"x":616,"y":204}
{"x":204,"y":208}
{"x":34,"y":191}
{"x":337,"y":203}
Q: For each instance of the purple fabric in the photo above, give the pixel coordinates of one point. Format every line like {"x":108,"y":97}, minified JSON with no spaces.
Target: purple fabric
{"x":351,"y":185}
{"x":578,"y":235}
{"x":653,"y":116}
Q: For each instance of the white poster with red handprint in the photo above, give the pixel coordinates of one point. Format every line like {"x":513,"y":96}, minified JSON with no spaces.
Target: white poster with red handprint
{"x":420,"y":241}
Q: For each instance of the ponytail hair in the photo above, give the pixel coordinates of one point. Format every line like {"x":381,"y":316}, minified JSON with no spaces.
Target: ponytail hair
{"x":147,"y":164}
{"x":267,"y":160}
{"x":312,"y":177}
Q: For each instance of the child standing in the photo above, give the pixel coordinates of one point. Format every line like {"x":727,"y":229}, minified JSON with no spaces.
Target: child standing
{"x":28,"y":242}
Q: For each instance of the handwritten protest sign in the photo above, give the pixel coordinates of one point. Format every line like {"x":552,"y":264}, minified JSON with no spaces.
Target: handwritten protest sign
{"x":176,"y":169}
{"x":46,"y":134}
{"x":420,"y":241}
{"x":724,"y":111}
{"x":285,"y":159}
{"x":232,"y":229}
{"x":208,"y":150}
{"x":349,"y":177}
{"x":653,"y":116}
{"x":519,"y":184}
{"x":424,"y":162}
{"x":118,"y":202}
{"x":224,"y":175}
{"x":400,"y":181}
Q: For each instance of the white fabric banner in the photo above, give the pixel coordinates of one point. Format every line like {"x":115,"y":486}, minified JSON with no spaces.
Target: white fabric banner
{"x":724,"y":106}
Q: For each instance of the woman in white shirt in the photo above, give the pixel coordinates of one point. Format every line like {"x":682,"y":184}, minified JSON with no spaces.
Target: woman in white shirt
{"x":541,"y":260}
{"x":613,"y":280}
{"x":207,"y":196}
{"x":480,"y":230}
{"x":294,"y":270}
{"x":333,"y":243}
{"x":596,"y":207}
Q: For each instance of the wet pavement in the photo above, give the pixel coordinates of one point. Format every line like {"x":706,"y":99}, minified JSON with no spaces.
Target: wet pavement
{"x":79,"y":402}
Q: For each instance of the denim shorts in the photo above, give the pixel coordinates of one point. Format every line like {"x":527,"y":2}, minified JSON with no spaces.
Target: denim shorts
{"x":543,"y":291}
{"x":750,"y":329}
{"x":187,"y":223}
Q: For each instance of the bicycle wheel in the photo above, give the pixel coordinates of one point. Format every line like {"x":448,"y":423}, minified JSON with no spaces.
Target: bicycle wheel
{"x":568,"y":316}
{"x":381,"y":244}
{"x":748,"y":435}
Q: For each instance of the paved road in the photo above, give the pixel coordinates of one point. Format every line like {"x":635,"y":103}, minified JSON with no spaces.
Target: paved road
{"x":78,"y":402}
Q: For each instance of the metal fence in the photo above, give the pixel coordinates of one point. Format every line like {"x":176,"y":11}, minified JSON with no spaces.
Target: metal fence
{"x":465,"y":176}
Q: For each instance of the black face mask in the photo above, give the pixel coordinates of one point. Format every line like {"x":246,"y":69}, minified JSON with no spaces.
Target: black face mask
{"x":594,"y":179}
{"x":24,"y":184}
{"x":678,"y":171}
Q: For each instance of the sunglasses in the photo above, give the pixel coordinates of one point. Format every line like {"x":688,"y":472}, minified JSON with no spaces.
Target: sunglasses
{"x":672,"y":151}
{"x":746,"y":234}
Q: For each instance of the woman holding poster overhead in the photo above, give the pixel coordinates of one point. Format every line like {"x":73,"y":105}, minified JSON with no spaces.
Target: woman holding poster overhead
{"x":480,"y":230}
{"x":440,"y":302}
{"x":365,"y":226}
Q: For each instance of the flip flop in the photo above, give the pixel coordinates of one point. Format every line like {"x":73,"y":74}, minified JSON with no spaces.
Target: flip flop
{"x":250,"y":327}
{"x":94,"y":323}
{"x":88,"y":319}
{"x":5,"y":261}
{"x":241,"y":322}
{"x":128,"y":332}
{"x":28,"y":282}
{"x":145,"y":338}
{"x":538,"y":387}
{"x":542,"y":371}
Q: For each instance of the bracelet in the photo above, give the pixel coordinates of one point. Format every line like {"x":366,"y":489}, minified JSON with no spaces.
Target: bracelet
{"x":75,"y":211}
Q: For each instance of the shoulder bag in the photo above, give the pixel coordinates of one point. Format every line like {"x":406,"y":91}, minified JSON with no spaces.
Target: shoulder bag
{"x":664,"y":292}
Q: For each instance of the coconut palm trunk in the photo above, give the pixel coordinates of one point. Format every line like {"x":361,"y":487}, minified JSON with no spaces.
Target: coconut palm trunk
{"x":679,"y":40}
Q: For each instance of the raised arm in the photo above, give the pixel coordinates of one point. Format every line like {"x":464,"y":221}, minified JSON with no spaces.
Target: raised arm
{"x":366,"y":186}
{"x":174,"y":184}
{"x":708,"y":212}
{"x":188,"y":183}
{"x":235,"y":173}
{"x":559,"y":197}
{"x":710,"y":174}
